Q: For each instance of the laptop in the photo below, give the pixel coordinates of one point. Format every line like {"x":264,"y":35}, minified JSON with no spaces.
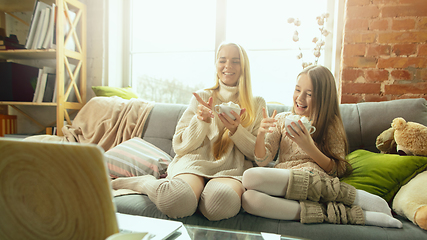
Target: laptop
{"x":52,"y":190}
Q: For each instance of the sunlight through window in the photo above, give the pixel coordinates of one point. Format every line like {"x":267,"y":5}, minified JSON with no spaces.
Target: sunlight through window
{"x":173,"y":44}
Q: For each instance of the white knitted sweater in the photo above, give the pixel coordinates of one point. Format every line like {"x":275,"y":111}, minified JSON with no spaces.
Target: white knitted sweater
{"x":194,"y":139}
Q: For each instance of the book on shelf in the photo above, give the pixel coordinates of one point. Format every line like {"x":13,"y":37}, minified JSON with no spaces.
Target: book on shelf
{"x":17,"y":82}
{"x":34,"y":25}
{"x":51,"y":130}
{"x":42,"y":83}
{"x":55,"y":88}
{"x":2,"y":35}
{"x":9,"y":46}
{"x":48,"y":41}
{"x":10,"y":42}
{"x":50,"y":87}
{"x":37,"y":85}
{"x":42,"y":32}
{"x":38,"y":29}
{"x":43,"y":24}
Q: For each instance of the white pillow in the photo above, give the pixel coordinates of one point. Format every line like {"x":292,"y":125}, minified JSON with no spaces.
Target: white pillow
{"x":136,"y":157}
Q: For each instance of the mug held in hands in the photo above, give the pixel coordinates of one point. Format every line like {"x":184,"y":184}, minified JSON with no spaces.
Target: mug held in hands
{"x":294,"y":118}
{"x":227,"y":108}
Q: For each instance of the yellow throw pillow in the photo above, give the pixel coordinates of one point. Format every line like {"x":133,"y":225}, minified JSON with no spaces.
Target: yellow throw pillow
{"x":105,"y":91}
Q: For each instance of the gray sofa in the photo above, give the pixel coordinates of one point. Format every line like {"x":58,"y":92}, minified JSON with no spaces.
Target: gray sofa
{"x":363,"y":123}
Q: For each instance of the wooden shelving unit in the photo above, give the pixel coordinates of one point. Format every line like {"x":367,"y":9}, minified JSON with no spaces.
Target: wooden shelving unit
{"x":64,"y":57}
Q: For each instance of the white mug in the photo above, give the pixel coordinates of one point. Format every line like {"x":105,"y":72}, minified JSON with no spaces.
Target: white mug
{"x":227,"y":108}
{"x":291,"y":118}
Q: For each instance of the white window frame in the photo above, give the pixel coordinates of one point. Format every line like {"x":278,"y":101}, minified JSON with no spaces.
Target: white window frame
{"x":119,"y":66}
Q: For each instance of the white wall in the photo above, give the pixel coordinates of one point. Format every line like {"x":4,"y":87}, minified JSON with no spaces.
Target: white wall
{"x":96,"y":43}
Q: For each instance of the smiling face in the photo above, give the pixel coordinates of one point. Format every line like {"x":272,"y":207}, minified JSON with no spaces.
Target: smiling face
{"x":302,"y":95}
{"x":228,"y":65}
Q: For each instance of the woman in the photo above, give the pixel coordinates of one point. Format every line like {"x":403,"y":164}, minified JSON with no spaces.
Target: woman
{"x":304,"y":185}
{"x":210,"y":148}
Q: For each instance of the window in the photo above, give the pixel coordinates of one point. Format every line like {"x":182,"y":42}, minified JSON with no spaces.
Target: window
{"x":173,"y":43}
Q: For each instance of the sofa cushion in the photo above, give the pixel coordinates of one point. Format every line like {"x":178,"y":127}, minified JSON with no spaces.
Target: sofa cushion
{"x":136,"y":157}
{"x":351,"y":121}
{"x":375,"y":117}
{"x":105,"y":91}
{"x":382,"y":174}
{"x":161,"y":123}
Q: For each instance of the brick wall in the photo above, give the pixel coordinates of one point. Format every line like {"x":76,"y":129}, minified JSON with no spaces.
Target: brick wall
{"x":384,"y":50}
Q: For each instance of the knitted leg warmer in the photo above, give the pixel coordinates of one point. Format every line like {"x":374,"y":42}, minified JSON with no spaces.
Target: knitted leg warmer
{"x":331,"y":212}
{"x":311,"y":212}
{"x":304,"y":185}
{"x":219,"y":201}
{"x":173,"y":197}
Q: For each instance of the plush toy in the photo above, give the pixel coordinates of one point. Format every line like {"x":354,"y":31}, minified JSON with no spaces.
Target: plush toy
{"x":411,"y":200}
{"x":386,"y":143}
{"x":408,"y":138}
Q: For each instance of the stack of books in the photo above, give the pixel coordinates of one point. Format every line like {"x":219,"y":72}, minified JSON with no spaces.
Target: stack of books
{"x":42,"y":32}
{"x":24,"y":83}
{"x":45,"y":90}
{"x":17,"y":82}
{"x":10,"y":42}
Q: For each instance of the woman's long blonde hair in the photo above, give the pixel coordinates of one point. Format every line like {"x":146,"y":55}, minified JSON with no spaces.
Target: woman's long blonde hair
{"x":245,"y":98}
{"x":325,"y":111}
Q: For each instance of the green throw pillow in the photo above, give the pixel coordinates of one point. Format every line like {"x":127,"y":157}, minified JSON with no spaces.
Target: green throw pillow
{"x":105,"y":91}
{"x":382,"y":174}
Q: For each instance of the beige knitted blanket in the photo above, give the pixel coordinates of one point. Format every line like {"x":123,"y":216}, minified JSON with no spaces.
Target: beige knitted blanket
{"x":106,"y":121}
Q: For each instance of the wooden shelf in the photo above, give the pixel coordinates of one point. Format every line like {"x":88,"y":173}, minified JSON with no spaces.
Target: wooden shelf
{"x":28,"y":54}
{"x":76,"y":80}
{"x":19,"y":5}
{"x":29,"y":103}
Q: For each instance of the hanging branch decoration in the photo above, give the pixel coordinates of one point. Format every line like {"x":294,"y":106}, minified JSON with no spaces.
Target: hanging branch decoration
{"x":318,"y":41}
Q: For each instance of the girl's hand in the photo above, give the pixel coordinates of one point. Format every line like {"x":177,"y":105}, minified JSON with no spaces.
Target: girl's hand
{"x":204,"y":109}
{"x":229,"y":123}
{"x":300,"y":135}
{"x":267,"y":122}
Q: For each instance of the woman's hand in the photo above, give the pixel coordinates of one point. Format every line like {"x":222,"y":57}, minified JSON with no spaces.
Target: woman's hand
{"x":204,"y":109}
{"x":229,"y":123}
{"x":205,"y":113}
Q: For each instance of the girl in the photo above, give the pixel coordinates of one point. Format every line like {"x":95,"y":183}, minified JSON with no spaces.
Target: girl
{"x":210,"y":149}
{"x":309,"y":166}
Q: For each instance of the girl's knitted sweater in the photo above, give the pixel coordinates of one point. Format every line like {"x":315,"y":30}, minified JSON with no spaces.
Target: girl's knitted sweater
{"x":291,"y":156}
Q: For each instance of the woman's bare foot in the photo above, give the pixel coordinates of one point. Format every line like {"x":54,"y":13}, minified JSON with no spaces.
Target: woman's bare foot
{"x":133,"y":183}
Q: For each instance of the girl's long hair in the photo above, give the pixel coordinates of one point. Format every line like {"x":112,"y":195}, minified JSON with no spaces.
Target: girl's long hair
{"x":245,"y":98}
{"x":325,"y":111}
